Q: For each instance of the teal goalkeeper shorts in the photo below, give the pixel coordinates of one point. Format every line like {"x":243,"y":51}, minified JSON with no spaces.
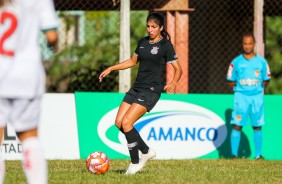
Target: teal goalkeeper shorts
{"x":246,"y":106}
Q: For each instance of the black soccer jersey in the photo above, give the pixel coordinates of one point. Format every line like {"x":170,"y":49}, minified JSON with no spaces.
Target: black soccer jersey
{"x":153,"y":58}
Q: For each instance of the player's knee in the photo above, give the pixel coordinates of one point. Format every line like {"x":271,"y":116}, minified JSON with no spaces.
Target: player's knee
{"x":118,"y":123}
{"x":126,"y":124}
{"x":257,"y":128}
{"x":27,"y":134}
{"x":236,"y":127}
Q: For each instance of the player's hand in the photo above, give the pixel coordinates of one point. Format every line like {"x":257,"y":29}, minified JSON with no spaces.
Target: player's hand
{"x":169,"y":88}
{"x":104,"y":74}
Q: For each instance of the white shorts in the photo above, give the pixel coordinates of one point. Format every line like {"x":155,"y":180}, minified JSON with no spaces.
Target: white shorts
{"x":22,"y":114}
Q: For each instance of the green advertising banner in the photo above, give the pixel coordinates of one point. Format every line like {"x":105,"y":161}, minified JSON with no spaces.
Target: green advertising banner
{"x":90,"y":108}
{"x":192,"y":126}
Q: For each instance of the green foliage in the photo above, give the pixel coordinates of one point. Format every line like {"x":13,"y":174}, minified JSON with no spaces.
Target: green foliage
{"x":158,"y":172}
{"x":78,"y":66}
{"x":274,"y":53}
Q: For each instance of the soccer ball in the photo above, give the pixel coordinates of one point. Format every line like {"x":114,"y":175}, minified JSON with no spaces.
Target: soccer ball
{"x":97,"y":163}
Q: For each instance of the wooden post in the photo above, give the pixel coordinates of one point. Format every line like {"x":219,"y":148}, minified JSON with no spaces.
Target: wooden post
{"x":177,"y":26}
{"x":258,"y":26}
{"x":124,"y":52}
{"x":177,"y":18}
{"x":181,"y":47}
{"x":170,"y":27}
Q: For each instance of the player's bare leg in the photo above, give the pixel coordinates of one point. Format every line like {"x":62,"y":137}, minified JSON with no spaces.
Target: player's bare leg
{"x":132,"y":115}
{"x":132,"y":136}
{"x":2,"y":162}
{"x":34,"y":163}
{"x":121,"y":112}
{"x":147,"y":153}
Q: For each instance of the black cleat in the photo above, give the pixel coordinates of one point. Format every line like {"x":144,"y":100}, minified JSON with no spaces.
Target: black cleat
{"x":234,"y":157}
{"x":260,"y":158}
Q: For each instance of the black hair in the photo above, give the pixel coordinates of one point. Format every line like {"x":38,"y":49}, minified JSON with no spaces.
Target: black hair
{"x":159,"y":19}
{"x":249,"y":34}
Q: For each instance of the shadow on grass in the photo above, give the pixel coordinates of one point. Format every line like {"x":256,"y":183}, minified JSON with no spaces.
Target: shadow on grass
{"x":117,"y":171}
{"x":224,"y":150}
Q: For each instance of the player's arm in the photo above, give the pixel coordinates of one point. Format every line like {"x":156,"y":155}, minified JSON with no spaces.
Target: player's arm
{"x":52,"y":38}
{"x":48,"y":21}
{"x":265,"y":83}
{"x":231,"y":75}
{"x":120,"y":66}
{"x":177,"y":75}
{"x":266,"y":74}
{"x":231,"y":83}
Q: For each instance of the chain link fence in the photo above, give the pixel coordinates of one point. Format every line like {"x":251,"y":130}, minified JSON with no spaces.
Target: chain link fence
{"x":89,"y":42}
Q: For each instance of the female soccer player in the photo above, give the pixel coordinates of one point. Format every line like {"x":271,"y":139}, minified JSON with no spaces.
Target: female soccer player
{"x":153,"y":53}
{"x":22,"y":77}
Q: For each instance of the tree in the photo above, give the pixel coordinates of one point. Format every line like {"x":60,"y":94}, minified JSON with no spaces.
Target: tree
{"x":274,"y":53}
{"x":77,"y":67}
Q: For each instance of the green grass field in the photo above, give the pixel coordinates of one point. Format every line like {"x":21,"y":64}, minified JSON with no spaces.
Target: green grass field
{"x":158,"y":172}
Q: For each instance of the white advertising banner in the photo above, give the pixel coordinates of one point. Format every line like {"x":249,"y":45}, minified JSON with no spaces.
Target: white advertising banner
{"x":57,"y":130}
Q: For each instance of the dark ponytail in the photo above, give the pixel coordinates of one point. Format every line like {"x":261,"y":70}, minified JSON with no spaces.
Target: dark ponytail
{"x":159,"y":19}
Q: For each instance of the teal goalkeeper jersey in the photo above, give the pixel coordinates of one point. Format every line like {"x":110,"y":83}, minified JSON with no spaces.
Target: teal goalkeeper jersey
{"x":248,"y":74}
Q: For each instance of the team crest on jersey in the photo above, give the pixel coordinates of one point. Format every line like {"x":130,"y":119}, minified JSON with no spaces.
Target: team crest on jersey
{"x":257,"y":73}
{"x":154,"y":50}
{"x":239,"y":118}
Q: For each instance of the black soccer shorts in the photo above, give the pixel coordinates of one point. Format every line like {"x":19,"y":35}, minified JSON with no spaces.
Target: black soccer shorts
{"x":145,"y":98}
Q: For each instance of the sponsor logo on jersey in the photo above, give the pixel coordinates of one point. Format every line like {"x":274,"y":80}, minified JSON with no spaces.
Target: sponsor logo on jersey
{"x":172,"y":125}
{"x":155,"y":50}
{"x":249,"y":82}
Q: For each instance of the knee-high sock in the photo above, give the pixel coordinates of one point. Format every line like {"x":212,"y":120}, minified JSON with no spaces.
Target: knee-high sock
{"x":132,"y":144}
{"x":142,"y":146}
{"x":34,"y":163}
{"x":258,"y":142}
{"x":235,"y":141}
{"x":121,"y":130}
{"x":2,"y":168}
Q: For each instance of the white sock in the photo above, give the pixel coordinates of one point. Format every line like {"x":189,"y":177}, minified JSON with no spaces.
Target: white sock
{"x":34,"y":163}
{"x":2,"y":169}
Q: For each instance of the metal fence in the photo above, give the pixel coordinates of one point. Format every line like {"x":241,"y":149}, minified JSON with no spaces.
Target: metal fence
{"x":89,"y":42}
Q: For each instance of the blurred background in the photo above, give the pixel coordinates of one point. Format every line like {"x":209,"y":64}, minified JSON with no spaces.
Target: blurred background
{"x":207,"y":35}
